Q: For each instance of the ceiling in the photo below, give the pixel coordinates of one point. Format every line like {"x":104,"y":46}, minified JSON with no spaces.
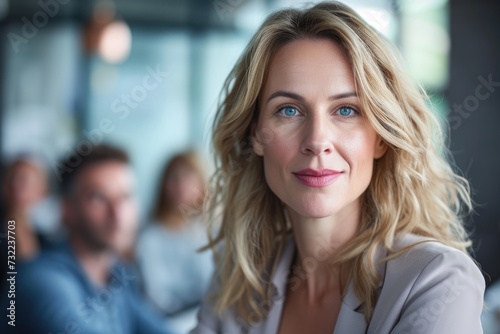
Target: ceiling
{"x":182,"y":13}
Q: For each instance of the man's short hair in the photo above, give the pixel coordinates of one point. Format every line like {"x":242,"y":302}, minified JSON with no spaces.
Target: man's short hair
{"x":99,"y":154}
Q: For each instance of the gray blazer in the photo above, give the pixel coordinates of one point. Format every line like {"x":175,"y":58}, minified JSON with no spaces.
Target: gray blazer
{"x":431,"y":289}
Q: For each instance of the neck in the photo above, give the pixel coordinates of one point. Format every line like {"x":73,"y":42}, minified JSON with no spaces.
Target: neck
{"x":174,"y":220}
{"x":318,"y":240}
{"x":95,"y":263}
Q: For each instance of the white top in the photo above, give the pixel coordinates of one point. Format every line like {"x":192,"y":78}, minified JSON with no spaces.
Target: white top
{"x":175,"y":276}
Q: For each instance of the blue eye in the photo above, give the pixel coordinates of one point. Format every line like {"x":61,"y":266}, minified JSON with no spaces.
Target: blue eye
{"x":288,"y":111}
{"x":346,"y":111}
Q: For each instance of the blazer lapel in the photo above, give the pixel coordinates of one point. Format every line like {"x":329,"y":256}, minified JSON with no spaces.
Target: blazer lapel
{"x":351,"y":318}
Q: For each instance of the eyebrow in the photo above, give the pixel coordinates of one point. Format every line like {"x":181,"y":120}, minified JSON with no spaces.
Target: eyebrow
{"x":301,"y":98}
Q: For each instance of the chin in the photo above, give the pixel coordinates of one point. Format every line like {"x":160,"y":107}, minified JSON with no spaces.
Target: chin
{"x":108,"y":243}
{"x":99,"y":245}
{"x":316,"y":205}
{"x":316,"y":212}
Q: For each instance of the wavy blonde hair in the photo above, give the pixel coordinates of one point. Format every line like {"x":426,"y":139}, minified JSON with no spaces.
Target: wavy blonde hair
{"x":413,"y":187}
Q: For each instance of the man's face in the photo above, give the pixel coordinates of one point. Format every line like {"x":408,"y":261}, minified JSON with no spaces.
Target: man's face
{"x":102,"y":210}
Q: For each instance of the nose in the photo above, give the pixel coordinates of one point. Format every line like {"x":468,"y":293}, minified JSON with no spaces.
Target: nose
{"x":114,"y":211}
{"x":318,"y":136}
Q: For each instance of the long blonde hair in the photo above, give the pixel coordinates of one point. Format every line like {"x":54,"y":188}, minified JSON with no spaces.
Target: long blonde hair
{"x":413,"y":188}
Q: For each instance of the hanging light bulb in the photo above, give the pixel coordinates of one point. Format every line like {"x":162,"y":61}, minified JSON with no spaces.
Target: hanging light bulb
{"x":107,"y":36}
{"x":115,"y":42}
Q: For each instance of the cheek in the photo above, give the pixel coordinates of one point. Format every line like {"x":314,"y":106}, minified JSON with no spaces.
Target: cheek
{"x":89,"y":216}
{"x":134,"y":212}
{"x":93,"y":210}
{"x":128,"y":212}
{"x":170,"y":189}
{"x":276,"y":151}
{"x":278,"y":154}
{"x":358,"y":151}
{"x":190,"y":189}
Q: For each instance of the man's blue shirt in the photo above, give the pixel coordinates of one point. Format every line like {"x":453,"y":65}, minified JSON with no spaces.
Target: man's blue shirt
{"x":53,"y":295}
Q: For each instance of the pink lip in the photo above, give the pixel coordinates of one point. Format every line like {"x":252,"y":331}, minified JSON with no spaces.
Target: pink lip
{"x":317,"y":178}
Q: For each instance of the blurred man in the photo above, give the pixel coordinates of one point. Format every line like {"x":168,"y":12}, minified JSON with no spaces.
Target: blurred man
{"x":82,"y":286}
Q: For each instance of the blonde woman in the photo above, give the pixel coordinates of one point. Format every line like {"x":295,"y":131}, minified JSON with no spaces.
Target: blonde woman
{"x":340,"y":212}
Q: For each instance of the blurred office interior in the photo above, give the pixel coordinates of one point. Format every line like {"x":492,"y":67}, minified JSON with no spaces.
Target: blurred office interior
{"x":146,"y":75}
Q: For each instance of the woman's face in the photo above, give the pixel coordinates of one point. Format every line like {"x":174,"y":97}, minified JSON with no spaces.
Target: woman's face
{"x":318,"y":148}
{"x":184,"y":186}
{"x":27,"y":185}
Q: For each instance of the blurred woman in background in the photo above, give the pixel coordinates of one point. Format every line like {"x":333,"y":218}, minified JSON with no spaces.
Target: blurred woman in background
{"x":24,"y":187}
{"x":175,"y":276}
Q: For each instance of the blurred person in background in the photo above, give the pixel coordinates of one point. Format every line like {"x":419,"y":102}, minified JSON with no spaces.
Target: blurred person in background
{"x":175,"y":276}
{"x":491,"y":312}
{"x":25,"y":185}
{"x":81,"y":286}
{"x":25,"y":188}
